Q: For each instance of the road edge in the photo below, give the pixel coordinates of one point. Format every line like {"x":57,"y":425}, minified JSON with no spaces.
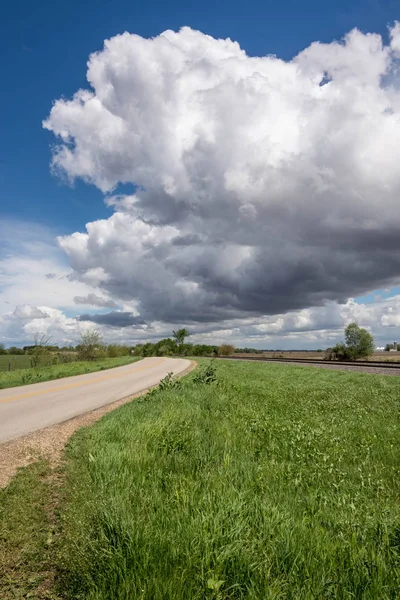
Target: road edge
{"x":49,"y":443}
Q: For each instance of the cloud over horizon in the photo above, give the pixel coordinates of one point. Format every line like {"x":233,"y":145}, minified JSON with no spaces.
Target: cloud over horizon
{"x":261,"y":186}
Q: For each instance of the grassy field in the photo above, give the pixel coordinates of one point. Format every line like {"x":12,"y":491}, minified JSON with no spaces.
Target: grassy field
{"x":22,"y":361}
{"x":313,"y":354}
{"x":275,"y":482}
{"x":26,"y":376}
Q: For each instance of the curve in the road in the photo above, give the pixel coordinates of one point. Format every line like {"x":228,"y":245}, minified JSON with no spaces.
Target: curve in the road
{"x":32,"y":407}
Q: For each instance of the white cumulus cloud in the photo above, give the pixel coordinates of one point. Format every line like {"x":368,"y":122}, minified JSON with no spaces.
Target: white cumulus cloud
{"x":262,"y":186}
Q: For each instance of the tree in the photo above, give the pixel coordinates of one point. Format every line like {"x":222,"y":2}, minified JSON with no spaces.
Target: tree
{"x":164,"y":350}
{"x":359,"y":342}
{"x":91,"y":345}
{"x":148,"y":349}
{"x":14,"y":351}
{"x":2,"y":349}
{"x":180,"y":335}
{"x":389,"y":347}
{"x":165,"y":347}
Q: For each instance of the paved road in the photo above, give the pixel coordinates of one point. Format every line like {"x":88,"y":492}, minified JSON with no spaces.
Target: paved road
{"x":31,"y":407}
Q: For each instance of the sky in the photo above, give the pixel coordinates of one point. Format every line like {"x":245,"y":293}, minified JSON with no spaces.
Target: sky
{"x":225,"y":167}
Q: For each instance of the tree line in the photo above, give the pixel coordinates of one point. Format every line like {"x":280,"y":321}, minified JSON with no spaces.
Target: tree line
{"x":92,"y":346}
{"x":358,"y":343}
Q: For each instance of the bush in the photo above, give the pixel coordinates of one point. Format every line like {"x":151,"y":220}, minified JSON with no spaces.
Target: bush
{"x":207,"y":374}
{"x":65,"y":357}
{"x":168,"y":383}
{"x":42,"y":357}
{"x":204,"y":350}
{"x":338,"y":352}
{"x":170,"y":347}
{"x":114,"y":350}
{"x":226,"y":350}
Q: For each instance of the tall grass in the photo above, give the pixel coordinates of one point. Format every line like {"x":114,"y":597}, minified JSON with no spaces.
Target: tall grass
{"x":276,"y":482}
{"x":36,"y":375}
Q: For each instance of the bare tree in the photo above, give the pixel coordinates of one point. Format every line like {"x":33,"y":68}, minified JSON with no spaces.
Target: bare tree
{"x":40,"y":353}
{"x":91,"y":345}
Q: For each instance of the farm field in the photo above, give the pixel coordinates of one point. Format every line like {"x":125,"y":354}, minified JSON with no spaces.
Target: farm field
{"x":35,"y":375}
{"x":273,"y":482}
{"x":20,"y":361}
{"x":378,"y":355}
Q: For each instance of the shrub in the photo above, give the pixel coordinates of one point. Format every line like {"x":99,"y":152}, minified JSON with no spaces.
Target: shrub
{"x":338,"y":352}
{"x":65,"y":357}
{"x":226,"y":350}
{"x":137,"y":350}
{"x":168,"y":383}
{"x":114,"y":350}
{"x":206,"y":374}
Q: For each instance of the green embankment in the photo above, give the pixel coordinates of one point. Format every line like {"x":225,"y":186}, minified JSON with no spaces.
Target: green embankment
{"x":277,"y":482}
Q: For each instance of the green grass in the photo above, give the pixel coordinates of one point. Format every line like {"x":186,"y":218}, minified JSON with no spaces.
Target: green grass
{"x":26,"y":376}
{"x":22,"y":361}
{"x":26,"y":534}
{"x":279,"y":482}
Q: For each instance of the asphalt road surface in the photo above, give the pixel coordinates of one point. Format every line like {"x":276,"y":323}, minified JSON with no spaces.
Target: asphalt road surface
{"x":31,"y":407}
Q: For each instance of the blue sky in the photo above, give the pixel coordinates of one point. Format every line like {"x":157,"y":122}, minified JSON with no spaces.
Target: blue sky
{"x":45,"y":47}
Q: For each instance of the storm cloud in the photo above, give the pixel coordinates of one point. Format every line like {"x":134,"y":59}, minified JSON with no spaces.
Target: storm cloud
{"x":114,"y":319}
{"x":263,"y":186}
{"x":94,"y":300}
